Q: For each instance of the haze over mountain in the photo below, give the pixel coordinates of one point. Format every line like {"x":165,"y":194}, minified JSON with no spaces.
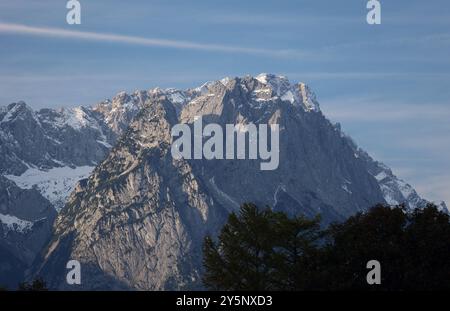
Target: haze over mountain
{"x":134,"y":216}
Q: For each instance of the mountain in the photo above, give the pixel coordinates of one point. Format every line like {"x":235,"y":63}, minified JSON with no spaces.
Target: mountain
{"x":138,"y":220}
{"x":43,"y":154}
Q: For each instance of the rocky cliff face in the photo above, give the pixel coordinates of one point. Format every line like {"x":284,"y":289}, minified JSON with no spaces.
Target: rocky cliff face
{"x":139,"y":220}
{"x":26,"y":220}
{"x":140,"y":205}
{"x":43,"y":154}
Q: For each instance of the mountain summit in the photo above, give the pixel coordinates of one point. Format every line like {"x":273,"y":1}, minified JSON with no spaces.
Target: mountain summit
{"x":134,"y":216}
{"x":138,"y":221}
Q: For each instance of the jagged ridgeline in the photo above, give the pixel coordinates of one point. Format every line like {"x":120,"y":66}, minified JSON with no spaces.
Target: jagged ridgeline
{"x":134,"y":216}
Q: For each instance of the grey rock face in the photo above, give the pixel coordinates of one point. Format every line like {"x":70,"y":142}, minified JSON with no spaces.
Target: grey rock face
{"x":140,"y":205}
{"x":139,"y":220}
{"x":26,"y":220}
{"x":43,"y":154}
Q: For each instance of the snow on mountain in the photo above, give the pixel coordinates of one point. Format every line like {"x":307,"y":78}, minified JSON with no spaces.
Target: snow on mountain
{"x":51,"y":149}
{"x":8,"y":115}
{"x":13,"y":111}
{"x":76,"y":118}
{"x":274,"y":87}
{"x":443,"y":207}
{"x":54,"y":184}
{"x":12,"y":223}
{"x":115,"y":115}
{"x":177,"y":96}
{"x":277,"y":86}
{"x":396,"y":191}
{"x":204,"y":88}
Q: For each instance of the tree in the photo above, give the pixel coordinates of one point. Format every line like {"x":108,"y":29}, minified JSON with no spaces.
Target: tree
{"x":412,"y":248}
{"x":374,"y":235}
{"x":35,"y":285}
{"x":266,"y":250}
{"x":427,"y":249}
{"x":263,"y":250}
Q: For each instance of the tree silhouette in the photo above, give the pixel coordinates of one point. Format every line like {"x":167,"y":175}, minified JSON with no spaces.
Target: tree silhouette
{"x":266,"y":250}
{"x":35,"y":285}
{"x":413,"y":249}
{"x":262,"y":250}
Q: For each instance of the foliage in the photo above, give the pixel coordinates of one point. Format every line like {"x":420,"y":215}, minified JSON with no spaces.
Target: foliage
{"x":259,"y":249}
{"x":35,"y":285}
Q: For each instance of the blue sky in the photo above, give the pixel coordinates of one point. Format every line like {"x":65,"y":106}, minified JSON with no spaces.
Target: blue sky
{"x":388,"y":85}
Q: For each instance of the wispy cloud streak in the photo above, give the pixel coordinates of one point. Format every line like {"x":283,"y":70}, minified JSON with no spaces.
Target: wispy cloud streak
{"x":143,"y":41}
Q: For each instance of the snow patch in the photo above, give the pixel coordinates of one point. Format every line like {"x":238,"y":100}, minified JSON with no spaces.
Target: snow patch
{"x":406,"y":190}
{"x":297,"y":94}
{"x":288,"y":96}
{"x":388,"y":195}
{"x":380,"y":176}
{"x":54,"y":184}
{"x":226,"y":80}
{"x":75,"y":118}
{"x":14,"y":108}
{"x":204,"y":88}
{"x":176,"y":97}
{"x":12,"y":223}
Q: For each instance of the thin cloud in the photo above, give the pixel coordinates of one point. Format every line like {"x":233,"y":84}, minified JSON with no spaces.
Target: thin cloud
{"x":435,"y":187}
{"x":262,"y":20}
{"x":435,"y":145}
{"x":382,"y":110}
{"x":134,"y":40}
{"x":369,"y":75}
{"x":441,"y":39}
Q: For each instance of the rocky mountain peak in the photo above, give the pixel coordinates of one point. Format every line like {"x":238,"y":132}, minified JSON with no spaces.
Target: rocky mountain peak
{"x":14,"y":111}
{"x":308,"y":98}
{"x":271,"y":87}
{"x":279,"y":84}
{"x":150,"y":211}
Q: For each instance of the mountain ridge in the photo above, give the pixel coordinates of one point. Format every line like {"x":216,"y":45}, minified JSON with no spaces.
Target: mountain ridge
{"x":152,"y":211}
{"x":81,"y":152}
